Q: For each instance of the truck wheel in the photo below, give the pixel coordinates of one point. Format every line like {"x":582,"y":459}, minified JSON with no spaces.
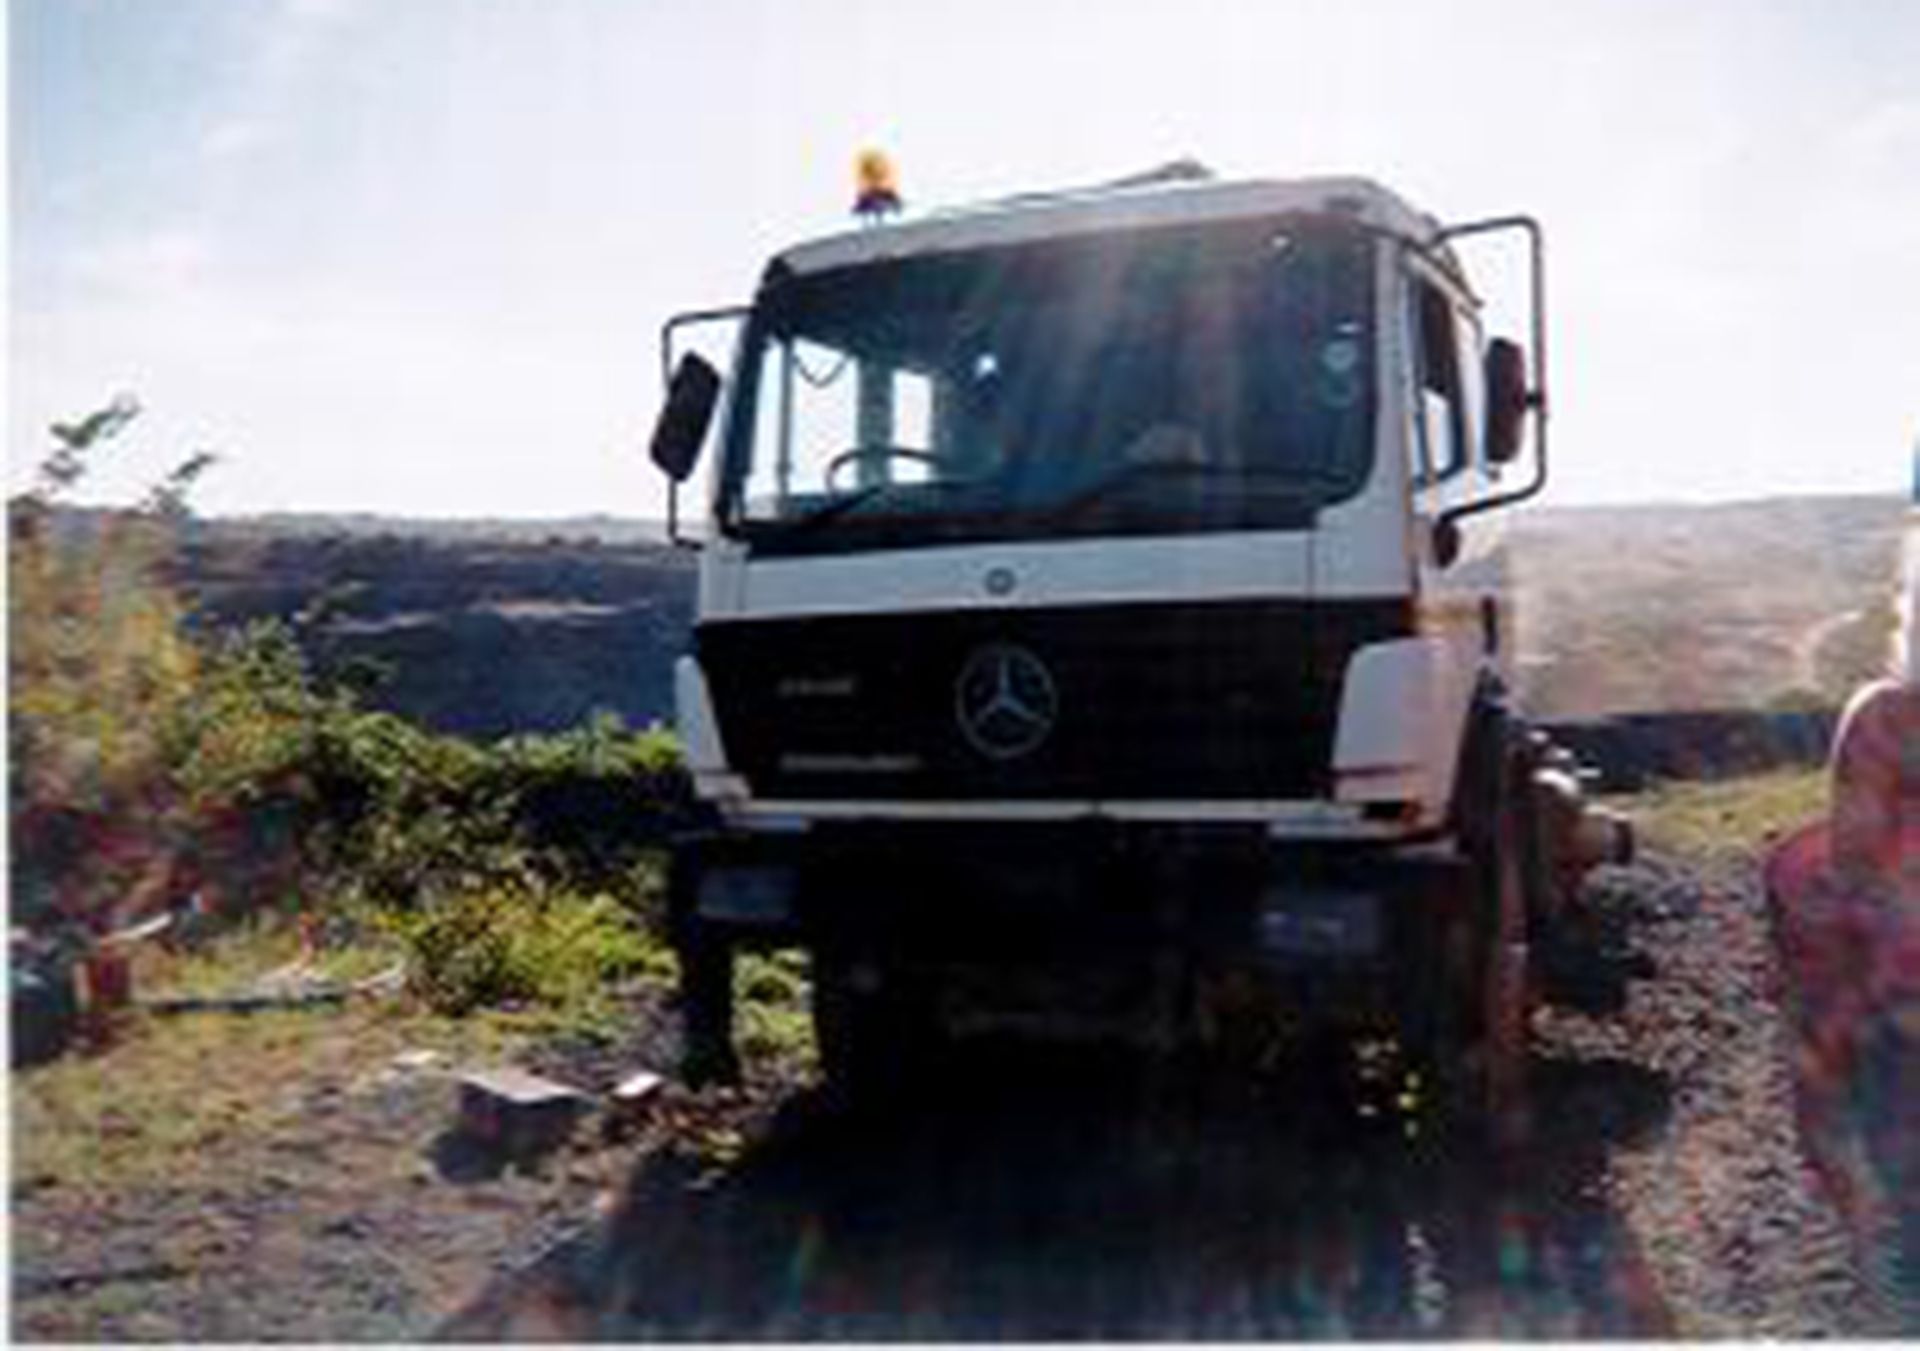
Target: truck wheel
{"x":1499,"y":1061}
{"x":1484,"y":999}
{"x":866,"y":1025}
{"x":706,"y":1004}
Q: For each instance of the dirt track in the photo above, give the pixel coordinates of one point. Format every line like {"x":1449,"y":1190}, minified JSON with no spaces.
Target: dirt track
{"x":1026,"y":1194}
{"x":1037,"y":1195}
{"x":1045,"y":1195}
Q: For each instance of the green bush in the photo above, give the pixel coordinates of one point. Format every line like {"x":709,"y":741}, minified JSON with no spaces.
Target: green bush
{"x":99,"y":671}
{"x":150,"y":762}
{"x":592,"y":804}
{"x":401,"y":816}
{"x":502,"y":945}
{"x":773,"y":1005}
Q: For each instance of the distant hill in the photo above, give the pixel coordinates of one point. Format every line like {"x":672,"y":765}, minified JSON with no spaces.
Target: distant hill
{"x":1747,"y":604}
{"x":491,"y":627}
{"x":625,"y":530}
{"x":482,"y":628}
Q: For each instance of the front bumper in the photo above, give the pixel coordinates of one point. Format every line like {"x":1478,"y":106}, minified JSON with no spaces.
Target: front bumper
{"x":1066,"y":889}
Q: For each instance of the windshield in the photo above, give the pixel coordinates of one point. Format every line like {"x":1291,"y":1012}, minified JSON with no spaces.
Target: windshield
{"x":1152,"y":382}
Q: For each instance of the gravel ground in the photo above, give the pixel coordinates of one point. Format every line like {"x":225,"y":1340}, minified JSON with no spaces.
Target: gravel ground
{"x":362,"y":1214}
{"x":1661,"y":1195}
{"x":342,"y":1226}
{"x":1024,"y":1194}
{"x":1740,"y":1241}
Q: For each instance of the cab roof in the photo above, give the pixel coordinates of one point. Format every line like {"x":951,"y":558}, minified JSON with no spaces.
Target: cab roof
{"x":1149,"y":200}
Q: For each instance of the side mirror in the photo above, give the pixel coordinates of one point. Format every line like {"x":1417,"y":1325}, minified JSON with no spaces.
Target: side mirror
{"x":1446,"y":542}
{"x":1508,"y":399}
{"x":682,"y":428}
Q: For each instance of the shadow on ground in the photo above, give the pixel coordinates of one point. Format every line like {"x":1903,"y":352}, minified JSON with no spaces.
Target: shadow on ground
{"x":1030,"y":1195}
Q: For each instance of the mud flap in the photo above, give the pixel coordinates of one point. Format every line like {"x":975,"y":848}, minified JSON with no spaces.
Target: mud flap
{"x":1478,"y":1039}
{"x":705,"y":951}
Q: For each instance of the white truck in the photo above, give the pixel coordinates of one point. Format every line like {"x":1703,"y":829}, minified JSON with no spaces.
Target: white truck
{"x":1102,"y":629}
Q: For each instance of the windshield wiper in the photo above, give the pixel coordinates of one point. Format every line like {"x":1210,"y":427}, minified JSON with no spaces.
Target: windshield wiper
{"x":827,"y":511}
{"x":1280,"y":482}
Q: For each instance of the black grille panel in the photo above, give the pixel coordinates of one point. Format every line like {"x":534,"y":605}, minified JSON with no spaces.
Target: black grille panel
{"x":1223,"y":699}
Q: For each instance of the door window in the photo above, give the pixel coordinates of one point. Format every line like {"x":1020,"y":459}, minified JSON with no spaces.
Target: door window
{"x":1438,"y":413}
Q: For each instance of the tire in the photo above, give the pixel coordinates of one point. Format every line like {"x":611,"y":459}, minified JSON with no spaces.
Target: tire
{"x":1498,"y":1083}
{"x":1480,"y":988}
{"x":706,"y":1002}
{"x":869,"y":1029}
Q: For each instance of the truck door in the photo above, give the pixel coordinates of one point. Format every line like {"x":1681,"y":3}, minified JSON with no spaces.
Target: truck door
{"x":1466,"y":600}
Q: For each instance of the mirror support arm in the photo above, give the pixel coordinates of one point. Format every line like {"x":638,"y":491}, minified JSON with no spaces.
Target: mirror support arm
{"x":1537,"y":397}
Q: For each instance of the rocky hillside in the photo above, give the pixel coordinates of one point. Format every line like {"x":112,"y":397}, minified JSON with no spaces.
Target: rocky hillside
{"x":523,"y":627}
{"x":1737,"y":605}
{"x":495,"y":627}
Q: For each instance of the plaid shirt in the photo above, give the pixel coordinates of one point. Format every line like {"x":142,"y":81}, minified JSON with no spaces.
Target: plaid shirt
{"x":1844,"y":898}
{"x":1875,"y":845}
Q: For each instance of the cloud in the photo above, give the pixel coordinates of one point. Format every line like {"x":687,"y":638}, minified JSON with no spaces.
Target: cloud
{"x":235,"y":138}
{"x":1879,"y":148}
{"x":159,"y":264}
{"x":324,"y":398}
{"x":286,"y":41}
{"x":320,"y":11}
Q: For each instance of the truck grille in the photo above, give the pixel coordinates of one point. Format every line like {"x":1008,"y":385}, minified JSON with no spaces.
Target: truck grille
{"x":1224,"y":699}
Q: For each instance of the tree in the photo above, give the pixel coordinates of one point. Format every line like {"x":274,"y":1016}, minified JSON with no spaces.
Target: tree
{"x":99,"y":667}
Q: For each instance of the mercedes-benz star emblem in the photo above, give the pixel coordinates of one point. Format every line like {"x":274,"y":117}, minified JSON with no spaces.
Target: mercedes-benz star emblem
{"x":1004,"y":701}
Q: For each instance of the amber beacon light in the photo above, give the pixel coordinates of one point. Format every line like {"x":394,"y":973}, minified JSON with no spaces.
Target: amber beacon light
{"x":876,"y":187}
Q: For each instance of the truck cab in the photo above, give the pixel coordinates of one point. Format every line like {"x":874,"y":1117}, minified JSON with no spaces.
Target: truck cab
{"x":1092,"y":572}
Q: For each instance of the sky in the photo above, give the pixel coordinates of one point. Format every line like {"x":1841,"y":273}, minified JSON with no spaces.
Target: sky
{"x":412,"y":256}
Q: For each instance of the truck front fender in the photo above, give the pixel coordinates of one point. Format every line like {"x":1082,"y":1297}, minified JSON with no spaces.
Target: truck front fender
{"x":699,"y":733}
{"x":1403,"y":713}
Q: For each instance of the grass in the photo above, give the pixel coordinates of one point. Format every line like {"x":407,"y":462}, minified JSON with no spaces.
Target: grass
{"x":1740,"y":815}
{"x":156,"y":1109}
{"x":256,"y":948}
{"x":169,"y":1101}
{"x":773,"y":1008}
{"x":169,"y":1098}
